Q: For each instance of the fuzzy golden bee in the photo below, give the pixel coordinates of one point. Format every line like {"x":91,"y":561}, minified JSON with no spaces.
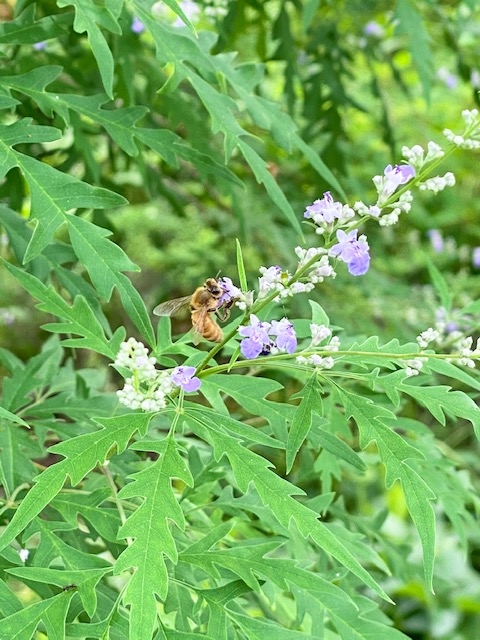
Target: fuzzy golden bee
{"x":204,"y":302}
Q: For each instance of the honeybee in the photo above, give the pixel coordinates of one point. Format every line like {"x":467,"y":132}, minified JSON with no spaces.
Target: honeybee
{"x":204,"y":302}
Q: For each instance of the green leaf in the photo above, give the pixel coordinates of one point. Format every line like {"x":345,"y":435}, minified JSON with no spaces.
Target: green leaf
{"x":411,"y":24}
{"x":338,"y":448}
{"x":174,"y":6}
{"x":242,"y":276}
{"x":441,"y":286}
{"x":33,"y":83}
{"x":442,"y":401}
{"x":7,"y":415}
{"x":52,"y":612}
{"x":276,"y":493}
{"x":263,"y":175}
{"x":374,"y":424}
{"x":53,"y":193}
{"x":79,"y":319}
{"x":302,"y":418}
{"x":250,"y":394}
{"x":149,"y":528}
{"x":104,"y":261}
{"x":89,"y":17}
{"x":119,"y":123}
{"x":25,"y":30}
{"x":82,"y":454}
{"x":85,"y":581}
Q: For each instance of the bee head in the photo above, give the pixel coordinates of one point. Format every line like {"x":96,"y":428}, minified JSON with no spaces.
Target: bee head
{"x":213,"y":287}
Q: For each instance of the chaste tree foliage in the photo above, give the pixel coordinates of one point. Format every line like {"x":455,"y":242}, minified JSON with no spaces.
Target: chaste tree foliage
{"x":317,"y":464}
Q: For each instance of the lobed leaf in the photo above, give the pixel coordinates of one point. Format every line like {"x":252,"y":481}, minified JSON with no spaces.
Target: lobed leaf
{"x":82,"y":454}
{"x":152,"y":538}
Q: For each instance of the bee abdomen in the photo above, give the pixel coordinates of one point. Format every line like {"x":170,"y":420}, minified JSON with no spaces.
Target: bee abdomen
{"x":212,"y":332}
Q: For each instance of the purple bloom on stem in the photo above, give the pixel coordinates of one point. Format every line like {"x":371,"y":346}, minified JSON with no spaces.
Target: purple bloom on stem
{"x":397,"y":175}
{"x":286,"y":338}
{"x":184,"y":377}
{"x":255,"y":338}
{"x":352,"y":251}
{"x":229,"y":290}
{"x":324,"y":210}
{"x":39,"y":46}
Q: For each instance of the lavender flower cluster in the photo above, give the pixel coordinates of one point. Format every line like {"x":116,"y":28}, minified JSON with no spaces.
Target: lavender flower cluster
{"x":147,"y":388}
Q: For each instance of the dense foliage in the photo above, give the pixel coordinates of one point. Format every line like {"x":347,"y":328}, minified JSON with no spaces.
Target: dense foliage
{"x":313,"y":473}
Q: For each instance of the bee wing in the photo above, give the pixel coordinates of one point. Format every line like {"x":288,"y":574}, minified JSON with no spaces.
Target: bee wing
{"x":171,"y":307}
{"x":198,"y":323}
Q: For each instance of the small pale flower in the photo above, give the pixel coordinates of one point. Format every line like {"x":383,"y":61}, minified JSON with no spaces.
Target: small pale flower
{"x":413,"y":367}
{"x":424,"y":339}
{"x":316,"y":361}
{"x":438,"y":183}
{"x":23,"y":554}
{"x":319,"y":332}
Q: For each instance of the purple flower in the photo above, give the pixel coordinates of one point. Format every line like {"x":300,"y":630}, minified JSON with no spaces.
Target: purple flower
{"x":352,"y":251}
{"x":39,"y":46}
{"x":397,"y":175}
{"x":436,"y":240}
{"x":372,"y":28}
{"x":230,"y":291}
{"x":137,"y":25}
{"x":324,"y":210}
{"x":447,"y":77}
{"x":256,"y":338}
{"x":184,"y":377}
{"x":476,"y":257}
{"x":286,"y":338}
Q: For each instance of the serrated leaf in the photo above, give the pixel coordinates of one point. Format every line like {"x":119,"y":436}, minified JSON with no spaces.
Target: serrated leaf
{"x":85,"y":581}
{"x":442,"y":401}
{"x":53,"y":193}
{"x":25,"y":30}
{"x":337,"y":447}
{"x":33,"y":83}
{"x":82,"y":454}
{"x":52,"y":612}
{"x":89,"y":17}
{"x":119,"y":123}
{"x":302,"y":419}
{"x":250,"y":394}
{"x":276,"y":493}
{"x":374,"y":424}
{"x":104,"y":261}
{"x":149,"y":529}
{"x":79,"y":319}
{"x":235,"y":427}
